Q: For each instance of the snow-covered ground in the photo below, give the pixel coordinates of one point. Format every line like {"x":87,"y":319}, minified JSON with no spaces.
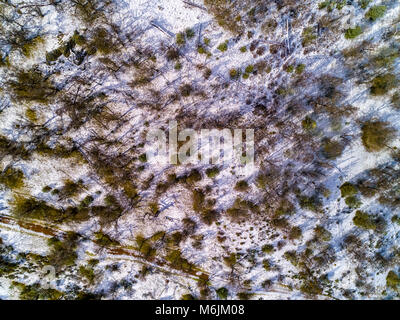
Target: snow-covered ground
{"x":123,"y":272}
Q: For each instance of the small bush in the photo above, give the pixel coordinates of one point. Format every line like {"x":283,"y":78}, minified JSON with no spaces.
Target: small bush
{"x":382,"y":84}
{"x":36,"y":292}
{"x":308,"y":36}
{"x":295,"y":233}
{"x":186,"y":90}
{"x":376,"y":135}
{"x":310,"y":203}
{"x":12,"y":178}
{"x":193,"y":177}
{"x":364,"y":3}
{"x":393,"y":280}
{"x":364,"y":220}
{"x":375,"y":13}
{"x":29,"y":47}
{"x":241,"y":186}
{"x":352,"y":33}
{"x":347,"y":189}
{"x":180,"y":39}
{"x":308,"y":124}
{"x":223,"y":46}
{"x":189,"y":33}
{"x":289,"y":69}
{"x":87,"y":273}
{"x":234,"y":73}
{"x":31,"y":115}
{"x":332,"y":149}
{"x":104,"y":240}
{"x":32,"y":86}
{"x":249,"y":69}
{"x":396,"y":101}
{"x":63,"y":252}
{"x":286,"y":207}
{"x":300,"y":68}
{"x":222,"y":293}
{"x":268,"y":248}
{"x":212,"y":172}
{"x":311,"y":287}
{"x":353,"y":202}
{"x":322,"y":234}
{"x":34,"y":209}
{"x":53,"y":55}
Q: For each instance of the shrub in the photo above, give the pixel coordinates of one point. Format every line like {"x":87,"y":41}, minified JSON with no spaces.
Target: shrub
{"x":300,"y":68}
{"x":234,"y":73}
{"x":212,"y":172}
{"x":249,"y":69}
{"x":243,"y":49}
{"x":266,"y":265}
{"x":62,"y":252}
{"x":332,"y":149}
{"x":295,"y":233}
{"x":308,"y":36}
{"x":180,"y":39}
{"x":382,"y":84}
{"x":231,"y":260}
{"x":178,"y":66}
{"x":201,"y":50}
{"x":223,"y":46}
{"x":34,"y":209}
{"x":245,"y":295}
{"x":103,"y":42}
{"x":353,"y":202}
{"x":70,"y":188}
{"x":31,"y":45}
{"x":396,"y":101}
{"x":268,"y":248}
{"x":385,"y":58}
{"x":292,"y":257}
{"x":364,"y":3}
{"x":352,"y":33}
{"x":12,"y":178}
{"x":322,"y":234}
{"x":364,"y":220}
{"x":286,"y":207}
{"x":178,"y":262}
{"x":376,"y":135}
{"x":310,"y":203}
{"x":375,"y":13}
{"x":31,"y":115}
{"x":198,"y":198}
{"x":241,"y":185}
{"x":396,"y":219}
{"x":392,"y":280}
{"x":348,"y":189}
{"x":186,"y":90}
{"x":193,"y":177}
{"x":32,"y":85}
{"x":222,"y":293}
{"x":46,"y":189}
{"x":189,"y":33}
{"x":289,"y":69}
{"x":88,"y":273}
{"x":308,"y":124}
{"x":36,"y":292}
{"x":311,"y":287}
{"x":53,"y":55}
{"x":104,"y":240}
